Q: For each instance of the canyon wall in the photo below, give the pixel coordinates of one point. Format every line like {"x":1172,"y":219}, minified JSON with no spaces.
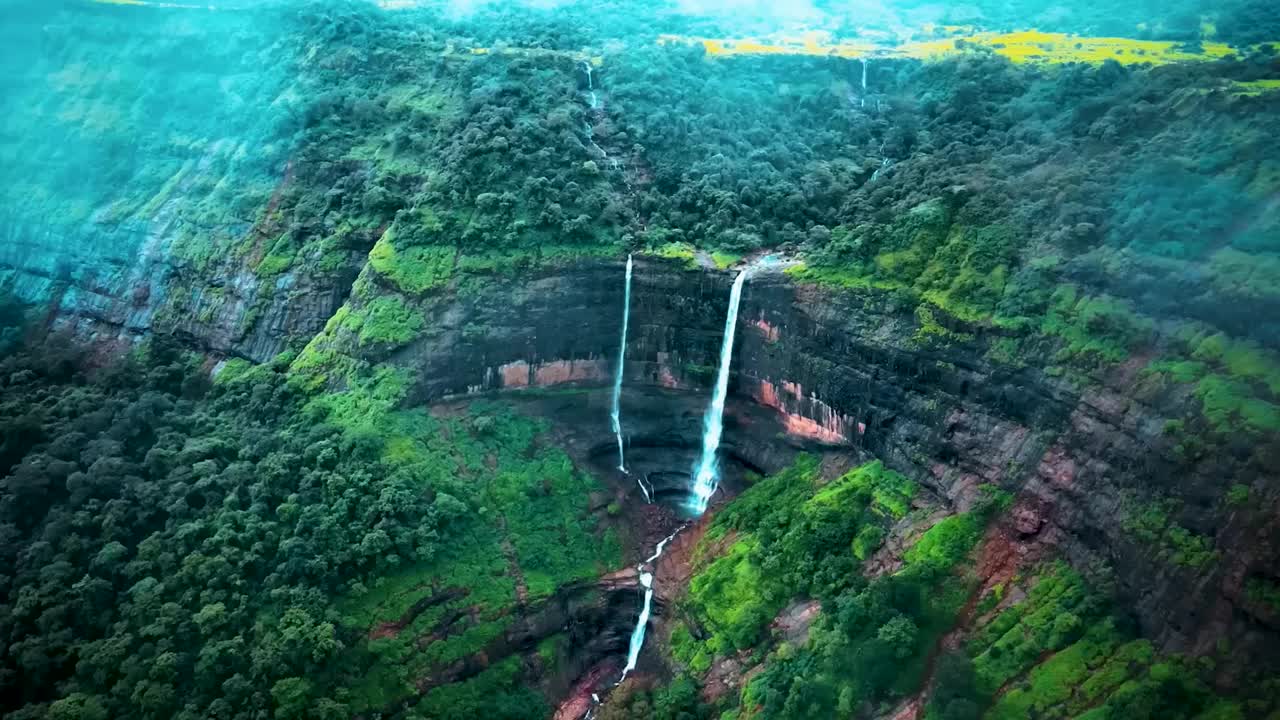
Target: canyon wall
{"x":840,"y":367}
{"x":850,"y":368}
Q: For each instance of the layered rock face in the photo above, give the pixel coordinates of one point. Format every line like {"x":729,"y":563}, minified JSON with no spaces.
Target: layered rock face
{"x":842,"y":367}
{"x":846,"y":368}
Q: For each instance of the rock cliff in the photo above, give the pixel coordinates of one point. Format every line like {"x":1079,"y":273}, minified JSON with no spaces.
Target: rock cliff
{"x":847,"y":368}
{"x":851,"y":368}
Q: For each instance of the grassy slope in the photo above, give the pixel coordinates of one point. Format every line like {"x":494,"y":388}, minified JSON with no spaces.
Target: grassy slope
{"x":531,"y":529}
{"x":533,"y":501}
{"x":1055,"y":651}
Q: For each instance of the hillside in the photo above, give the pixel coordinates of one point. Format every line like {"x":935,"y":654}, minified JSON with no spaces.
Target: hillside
{"x":310,"y":316}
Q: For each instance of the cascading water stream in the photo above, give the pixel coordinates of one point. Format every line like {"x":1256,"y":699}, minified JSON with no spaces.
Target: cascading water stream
{"x":615,"y":413}
{"x":637,"y":635}
{"x":591,"y":85}
{"x":864,"y":82}
{"x":707,"y":474}
{"x":884,"y":165}
{"x":642,"y":623}
{"x":591,"y":142}
{"x":885,"y":162}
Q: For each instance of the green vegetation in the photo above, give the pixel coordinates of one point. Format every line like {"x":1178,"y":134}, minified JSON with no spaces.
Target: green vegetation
{"x":789,"y":537}
{"x":1095,"y":331}
{"x":1058,"y":653}
{"x":678,"y":251}
{"x":1236,"y":382}
{"x":1265,"y":591}
{"x":1052,"y":616}
{"x":386,"y":319}
{"x":873,"y":640}
{"x":1151,"y":523}
{"x":1237,"y":495}
{"x":793,"y":539}
{"x":258,"y":538}
{"x":494,"y":693}
{"x":725,"y":260}
{"x":255,"y":546}
{"x":414,"y":270}
{"x":1229,"y":405}
{"x":677,"y":700}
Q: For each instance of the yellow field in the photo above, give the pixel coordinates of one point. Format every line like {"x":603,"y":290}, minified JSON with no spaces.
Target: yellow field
{"x":1035,"y":46}
{"x":1025,"y":46}
{"x":1029,"y":46}
{"x":814,"y":43}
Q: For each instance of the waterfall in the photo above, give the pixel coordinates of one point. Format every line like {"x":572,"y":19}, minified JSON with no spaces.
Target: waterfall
{"x":591,"y":85}
{"x":591,"y":142}
{"x":637,"y":635}
{"x":705,"y":479}
{"x":885,"y":162}
{"x":864,"y":82}
{"x":615,"y":413}
{"x":884,"y":165}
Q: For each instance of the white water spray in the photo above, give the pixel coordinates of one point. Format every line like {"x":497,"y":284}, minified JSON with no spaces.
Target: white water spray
{"x":707,"y":476}
{"x":637,"y":635}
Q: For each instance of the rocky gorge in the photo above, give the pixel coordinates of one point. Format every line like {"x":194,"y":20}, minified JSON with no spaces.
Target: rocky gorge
{"x":844,"y":369}
{"x":849,"y":371}
{"x":321,"y":398}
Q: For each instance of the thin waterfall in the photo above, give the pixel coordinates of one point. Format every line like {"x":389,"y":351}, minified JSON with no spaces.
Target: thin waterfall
{"x":637,"y":635}
{"x":615,"y":413}
{"x":591,"y":142}
{"x":591,"y":85}
{"x":706,"y":478}
{"x":885,"y":162}
{"x":884,"y":165}
{"x":864,"y":82}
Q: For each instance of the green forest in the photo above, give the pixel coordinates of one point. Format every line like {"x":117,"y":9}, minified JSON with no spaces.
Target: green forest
{"x":222,"y":497}
{"x":182,"y":548}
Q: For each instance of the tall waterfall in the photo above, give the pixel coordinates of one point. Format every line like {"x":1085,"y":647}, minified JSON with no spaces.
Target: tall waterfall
{"x":591,"y":85}
{"x":864,"y":82}
{"x":615,"y":413}
{"x":637,"y":635}
{"x":706,"y":477}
